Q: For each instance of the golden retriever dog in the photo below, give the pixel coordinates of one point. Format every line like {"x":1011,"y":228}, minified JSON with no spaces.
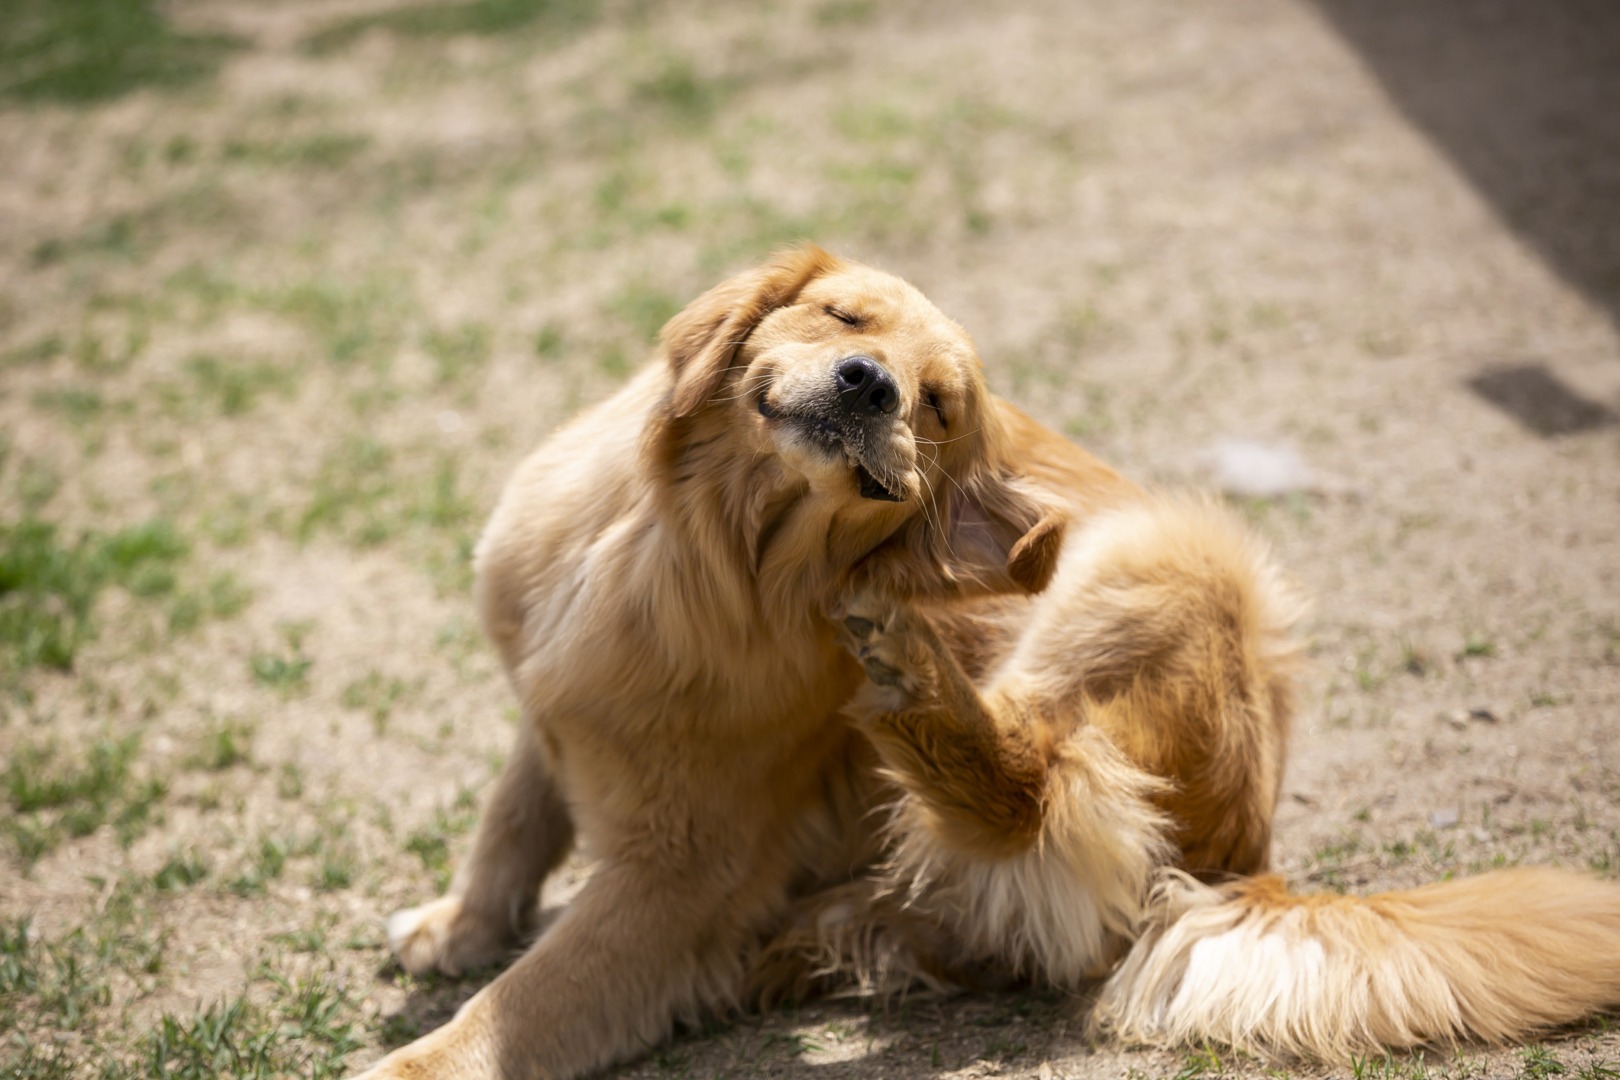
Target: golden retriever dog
{"x":850,"y":676}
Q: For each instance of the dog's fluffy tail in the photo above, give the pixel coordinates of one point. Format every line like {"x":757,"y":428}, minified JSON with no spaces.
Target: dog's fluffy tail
{"x":1493,"y":958}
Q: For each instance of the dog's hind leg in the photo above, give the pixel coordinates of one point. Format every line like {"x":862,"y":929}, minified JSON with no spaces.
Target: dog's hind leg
{"x":856,"y":939}
{"x":523,"y":834}
{"x":1023,"y":822}
{"x":979,"y":767}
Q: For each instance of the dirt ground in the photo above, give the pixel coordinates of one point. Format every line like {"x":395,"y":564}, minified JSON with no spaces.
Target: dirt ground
{"x":287,"y":289}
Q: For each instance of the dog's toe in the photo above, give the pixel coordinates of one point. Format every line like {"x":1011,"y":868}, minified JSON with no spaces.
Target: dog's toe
{"x":863,"y":615}
{"x":442,"y":936}
{"x":880,"y":672}
{"x":419,"y":936}
{"x":878,"y":631}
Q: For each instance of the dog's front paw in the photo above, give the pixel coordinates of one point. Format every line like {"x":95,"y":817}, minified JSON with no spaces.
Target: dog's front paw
{"x":446,"y":937}
{"x":877,"y":632}
{"x":451,"y":1052}
{"x":393,"y":1067}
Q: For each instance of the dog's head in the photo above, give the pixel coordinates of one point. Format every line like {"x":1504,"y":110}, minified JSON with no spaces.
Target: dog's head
{"x":845,"y":385}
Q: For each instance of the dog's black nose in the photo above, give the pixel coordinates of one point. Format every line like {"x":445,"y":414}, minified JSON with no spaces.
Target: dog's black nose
{"x":865,"y":388}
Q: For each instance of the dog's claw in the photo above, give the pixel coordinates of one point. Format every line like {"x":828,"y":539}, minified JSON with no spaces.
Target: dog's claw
{"x":879,"y":672}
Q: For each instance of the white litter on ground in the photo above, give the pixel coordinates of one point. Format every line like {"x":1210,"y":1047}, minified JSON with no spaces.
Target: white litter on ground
{"x":1255,"y":469}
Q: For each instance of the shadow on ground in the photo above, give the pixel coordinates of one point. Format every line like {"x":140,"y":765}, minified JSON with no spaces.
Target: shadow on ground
{"x":1539,"y":400}
{"x":1525,"y":100}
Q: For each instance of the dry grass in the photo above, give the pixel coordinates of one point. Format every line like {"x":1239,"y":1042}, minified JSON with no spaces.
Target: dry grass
{"x":285,"y":291}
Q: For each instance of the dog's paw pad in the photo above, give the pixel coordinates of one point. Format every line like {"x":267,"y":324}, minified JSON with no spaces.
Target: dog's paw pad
{"x":860,"y":627}
{"x":878,"y":632}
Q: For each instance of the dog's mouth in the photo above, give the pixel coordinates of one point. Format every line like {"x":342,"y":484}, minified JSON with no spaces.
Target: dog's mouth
{"x":839,"y":439}
{"x":873,"y":488}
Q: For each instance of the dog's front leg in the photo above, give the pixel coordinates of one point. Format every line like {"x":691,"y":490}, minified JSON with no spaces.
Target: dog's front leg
{"x":642,"y":946}
{"x":980,"y":767}
{"x":524,"y":832}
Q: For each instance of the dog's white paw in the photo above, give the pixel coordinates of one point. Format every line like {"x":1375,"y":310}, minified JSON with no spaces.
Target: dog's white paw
{"x":445,"y":937}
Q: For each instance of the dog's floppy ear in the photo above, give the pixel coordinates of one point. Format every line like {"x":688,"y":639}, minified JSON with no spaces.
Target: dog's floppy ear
{"x":1002,"y":535}
{"x":702,"y":339}
{"x":995,"y":532}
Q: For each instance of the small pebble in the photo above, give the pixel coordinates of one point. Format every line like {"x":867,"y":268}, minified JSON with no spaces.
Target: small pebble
{"x":1461,"y":718}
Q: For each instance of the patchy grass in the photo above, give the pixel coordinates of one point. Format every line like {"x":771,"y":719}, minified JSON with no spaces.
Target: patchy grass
{"x":431,"y":842}
{"x":233,"y":386}
{"x":353,"y":323}
{"x":644,"y":309}
{"x":55,"y":794}
{"x":322,"y":151}
{"x":49,"y":588}
{"x":286,"y":673}
{"x":35,"y":353}
{"x":79,"y":404}
{"x":677,"y":90}
{"x":82,"y":51}
{"x":222,"y":596}
{"x":1540,"y":1063}
{"x":364,"y":496}
{"x":458,"y":352}
{"x":377,"y":695}
{"x":264,"y":866}
{"x":181,"y":870}
{"x":482,"y":17}
{"x":1389,"y":1067}
{"x":226,"y":743}
{"x":309,"y":1030}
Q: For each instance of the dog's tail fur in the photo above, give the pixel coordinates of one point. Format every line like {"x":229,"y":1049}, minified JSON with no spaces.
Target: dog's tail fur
{"x":1493,"y":958}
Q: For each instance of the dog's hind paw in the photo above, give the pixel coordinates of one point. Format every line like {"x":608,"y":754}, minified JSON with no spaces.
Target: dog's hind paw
{"x":878,"y":633}
{"x":445,"y":937}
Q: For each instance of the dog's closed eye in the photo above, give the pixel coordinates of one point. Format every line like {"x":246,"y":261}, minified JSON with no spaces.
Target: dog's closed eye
{"x":842,"y":316}
{"x":931,"y":399}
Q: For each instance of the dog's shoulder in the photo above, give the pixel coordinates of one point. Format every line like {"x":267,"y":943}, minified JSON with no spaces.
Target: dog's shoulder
{"x":580,"y":485}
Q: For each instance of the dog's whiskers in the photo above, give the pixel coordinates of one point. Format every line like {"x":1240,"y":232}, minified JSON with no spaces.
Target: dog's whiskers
{"x":937,"y":522}
{"x":745,"y":387}
{"x":943,"y":442}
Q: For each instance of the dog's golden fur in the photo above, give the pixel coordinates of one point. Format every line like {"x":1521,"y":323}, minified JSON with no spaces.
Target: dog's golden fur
{"x":848,"y":674}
